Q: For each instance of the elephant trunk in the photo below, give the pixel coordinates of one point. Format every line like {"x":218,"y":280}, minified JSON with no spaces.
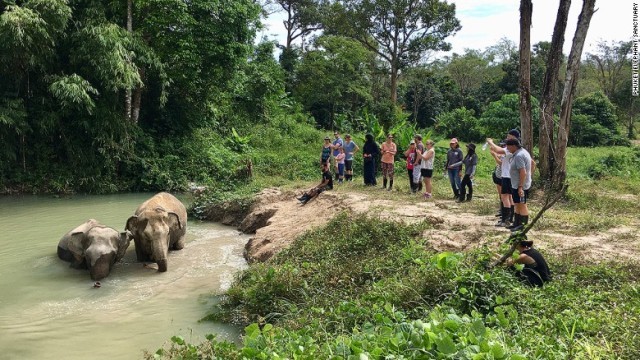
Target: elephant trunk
{"x":100,"y":268}
{"x":162,"y":265}
{"x":160,"y":250}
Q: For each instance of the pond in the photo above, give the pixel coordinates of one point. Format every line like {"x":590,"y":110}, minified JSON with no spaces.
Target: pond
{"x":51,"y":311}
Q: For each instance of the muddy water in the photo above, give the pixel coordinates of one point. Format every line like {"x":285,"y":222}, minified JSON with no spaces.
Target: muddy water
{"x":51,"y":311}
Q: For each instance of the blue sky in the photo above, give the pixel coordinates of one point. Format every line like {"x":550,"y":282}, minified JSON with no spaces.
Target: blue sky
{"x":485,"y":22}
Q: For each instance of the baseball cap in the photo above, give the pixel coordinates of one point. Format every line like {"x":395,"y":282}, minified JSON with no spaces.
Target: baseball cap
{"x":453,"y":141}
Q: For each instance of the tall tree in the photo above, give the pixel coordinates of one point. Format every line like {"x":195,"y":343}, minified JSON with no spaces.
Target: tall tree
{"x":302,"y":18}
{"x":571,"y":80}
{"x":399,"y":31}
{"x":609,"y":62}
{"x":547,"y":105}
{"x":526,"y":9}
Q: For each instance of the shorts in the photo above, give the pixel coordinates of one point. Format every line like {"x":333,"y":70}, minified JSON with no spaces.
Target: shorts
{"x":348,"y":165}
{"x":506,"y":186}
{"x":517,"y":199}
{"x":426,"y":173}
{"x":496,"y":179}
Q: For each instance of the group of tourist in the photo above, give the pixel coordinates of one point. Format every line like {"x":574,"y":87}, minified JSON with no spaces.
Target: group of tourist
{"x":512,"y":176}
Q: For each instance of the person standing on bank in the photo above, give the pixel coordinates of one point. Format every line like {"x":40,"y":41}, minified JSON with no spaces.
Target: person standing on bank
{"x":470,"y":162}
{"x":335,"y":145}
{"x":350,"y":148}
{"x":325,"y":154}
{"x":454,"y":156}
{"x":427,"y":168}
{"x":389,"y":150}
{"x":410,"y":154}
{"x":340,"y":161}
{"x":508,"y":206}
{"x":521,"y":169}
{"x":417,"y":165}
{"x":370,"y":151}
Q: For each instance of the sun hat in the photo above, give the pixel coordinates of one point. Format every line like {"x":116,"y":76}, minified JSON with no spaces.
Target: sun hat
{"x":471,"y":146}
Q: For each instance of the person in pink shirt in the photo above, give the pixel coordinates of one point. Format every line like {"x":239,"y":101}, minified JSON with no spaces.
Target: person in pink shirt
{"x":388,"y":151}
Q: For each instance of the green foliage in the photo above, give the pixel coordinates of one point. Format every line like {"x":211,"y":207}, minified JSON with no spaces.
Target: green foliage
{"x":73,"y":93}
{"x":503,"y":115}
{"x":616,"y":164}
{"x":333,"y":79}
{"x":594,"y":122}
{"x":460,"y":123}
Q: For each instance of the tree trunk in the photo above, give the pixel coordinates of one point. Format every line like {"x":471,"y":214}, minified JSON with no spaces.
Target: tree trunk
{"x":127,"y":95}
{"x":394,"y":83}
{"x":571,"y":80}
{"x":547,"y":105}
{"x":137,"y":98}
{"x":526,"y":9}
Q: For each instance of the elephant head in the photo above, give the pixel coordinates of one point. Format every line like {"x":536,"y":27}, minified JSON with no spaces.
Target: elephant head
{"x":152,"y":232}
{"x":95,"y":247}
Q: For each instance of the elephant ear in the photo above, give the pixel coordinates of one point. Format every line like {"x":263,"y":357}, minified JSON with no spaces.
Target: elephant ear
{"x":174,"y":218}
{"x":124,"y":239}
{"x":77,"y":245}
{"x":132,"y":223}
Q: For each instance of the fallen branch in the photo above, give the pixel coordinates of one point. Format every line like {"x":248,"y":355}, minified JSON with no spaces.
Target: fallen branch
{"x":516,"y":236}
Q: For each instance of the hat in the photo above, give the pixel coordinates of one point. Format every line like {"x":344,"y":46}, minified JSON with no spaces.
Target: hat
{"x":412,"y":142}
{"x":327,"y":138}
{"x":502,"y":142}
{"x":514,"y":132}
{"x":453,"y":141}
{"x":417,"y":136}
{"x":471,"y":146}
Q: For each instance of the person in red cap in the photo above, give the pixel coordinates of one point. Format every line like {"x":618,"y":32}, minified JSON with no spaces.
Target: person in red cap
{"x":453,"y":166}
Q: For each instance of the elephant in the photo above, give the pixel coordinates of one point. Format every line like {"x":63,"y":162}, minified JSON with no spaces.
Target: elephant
{"x":94,"y":246}
{"x":158,"y":225}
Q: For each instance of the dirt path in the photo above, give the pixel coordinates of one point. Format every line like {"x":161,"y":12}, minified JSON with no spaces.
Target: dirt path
{"x":282,"y":219}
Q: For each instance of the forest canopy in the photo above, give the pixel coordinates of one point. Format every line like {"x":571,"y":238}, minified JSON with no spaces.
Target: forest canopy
{"x":154,"y":94}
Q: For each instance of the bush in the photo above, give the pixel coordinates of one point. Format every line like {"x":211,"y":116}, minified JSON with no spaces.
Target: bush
{"x":459,"y":123}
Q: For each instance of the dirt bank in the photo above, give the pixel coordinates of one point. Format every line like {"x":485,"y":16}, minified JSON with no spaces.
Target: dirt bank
{"x":277,"y":218}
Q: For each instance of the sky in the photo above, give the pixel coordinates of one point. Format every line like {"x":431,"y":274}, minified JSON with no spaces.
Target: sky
{"x":485,"y":22}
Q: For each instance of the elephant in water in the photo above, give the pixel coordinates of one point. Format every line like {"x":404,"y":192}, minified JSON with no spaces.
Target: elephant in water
{"x":95,"y":247}
{"x":159,"y":225}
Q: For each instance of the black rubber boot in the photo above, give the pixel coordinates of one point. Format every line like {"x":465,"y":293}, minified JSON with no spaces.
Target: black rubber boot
{"x":384,"y":183}
{"x":501,"y":211}
{"x":303,"y":198}
{"x":512,"y":212}
{"x":524,"y":220}
{"x":516,"y":222}
{"x":469,"y":197}
{"x":390,"y":184}
{"x":460,"y":197}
